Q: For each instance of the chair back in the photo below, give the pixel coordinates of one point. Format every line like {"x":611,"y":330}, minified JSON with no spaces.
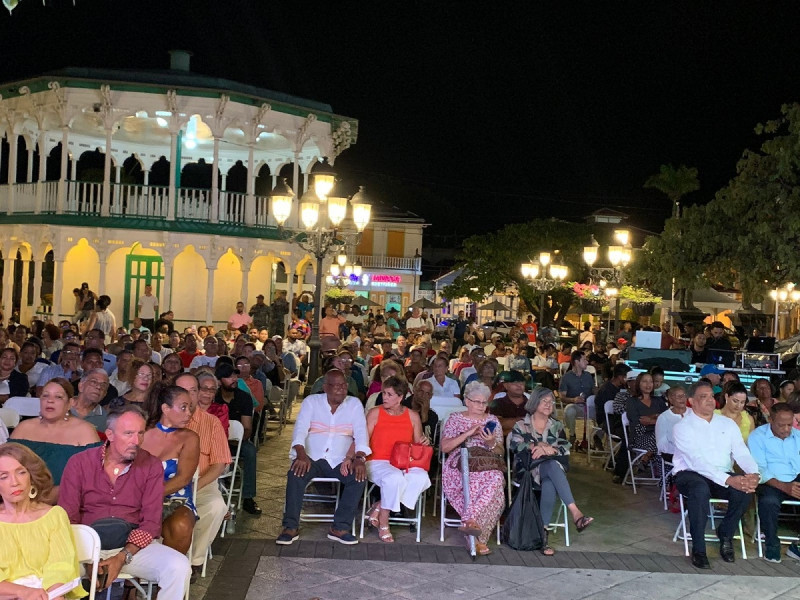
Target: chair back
{"x":87,"y":546}
{"x":563,"y":368}
{"x":9,"y":417}
{"x":25,"y":406}
{"x":625,"y":424}
{"x":444,"y":406}
{"x":591,"y":410}
{"x":608,"y":408}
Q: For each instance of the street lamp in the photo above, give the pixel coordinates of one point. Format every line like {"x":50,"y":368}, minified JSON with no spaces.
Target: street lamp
{"x":537,"y":275}
{"x":620,"y":255}
{"x":319,"y":238}
{"x":786,"y":294}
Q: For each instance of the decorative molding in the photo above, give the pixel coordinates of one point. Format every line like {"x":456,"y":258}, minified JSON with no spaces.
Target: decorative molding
{"x":303,"y":133}
{"x":342,"y":139}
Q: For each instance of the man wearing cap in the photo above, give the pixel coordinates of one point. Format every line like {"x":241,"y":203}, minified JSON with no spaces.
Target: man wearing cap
{"x":509,"y":405}
{"x":240,"y":408}
{"x":706,"y":445}
{"x":239,"y":318}
{"x":392,"y":324}
{"x":260,"y":312}
{"x":714,"y":375}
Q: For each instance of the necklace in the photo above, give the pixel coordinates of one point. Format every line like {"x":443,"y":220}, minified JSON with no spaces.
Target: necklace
{"x":166,"y":429}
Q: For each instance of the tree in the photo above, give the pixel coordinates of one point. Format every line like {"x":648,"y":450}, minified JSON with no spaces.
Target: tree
{"x":491,"y":263}
{"x":675,"y":183}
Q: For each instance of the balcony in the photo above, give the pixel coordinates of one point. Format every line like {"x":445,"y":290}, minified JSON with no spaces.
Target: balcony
{"x":400,"y":263}
{"x":134,"y":206}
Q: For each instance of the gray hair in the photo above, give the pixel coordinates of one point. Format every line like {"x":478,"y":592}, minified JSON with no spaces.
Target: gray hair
{"x":476,"y":388}
{"x":202,"y":376}
{"x":90,"y":372}
{"x":537,"y":395}
{"x":115,"y":413}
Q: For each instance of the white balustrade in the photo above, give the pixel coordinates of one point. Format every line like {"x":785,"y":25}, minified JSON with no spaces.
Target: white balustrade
{"x":389,"y":262}
{"x":231,"y":207}
{"x":193,"y":204}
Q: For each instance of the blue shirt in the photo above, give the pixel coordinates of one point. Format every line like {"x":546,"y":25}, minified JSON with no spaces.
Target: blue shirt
{"x":777,"y":459}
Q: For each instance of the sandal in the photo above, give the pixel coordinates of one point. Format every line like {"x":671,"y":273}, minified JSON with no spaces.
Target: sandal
{"x":583,"y":523}
{"x":482,"y":549}
{"x":372,"y":514}
{"x":386,"y":536}
{"x":547,"y":549}
{"x":470,"y":527}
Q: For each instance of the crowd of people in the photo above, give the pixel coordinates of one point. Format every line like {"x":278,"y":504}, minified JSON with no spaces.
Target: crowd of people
{"x":132,"y":434}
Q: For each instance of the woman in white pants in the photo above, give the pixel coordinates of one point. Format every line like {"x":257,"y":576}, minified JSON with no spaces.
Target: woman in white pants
{"x":387,"y":424}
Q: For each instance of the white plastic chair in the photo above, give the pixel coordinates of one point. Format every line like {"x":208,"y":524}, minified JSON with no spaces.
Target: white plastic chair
{"x":511,"y":484}
{"x":683,"y":534}
{"x":87,"y":546}
{"x":635,"y":456}
{"x":25,"y":406}
{"x":9,"y":417}
{"x":666,"y":471}
{"x":235,"y":434}
{"x":784,"y":539}
{"x":416,"y":520}
{"x":596,"y":430}
{"x":325,"y":499}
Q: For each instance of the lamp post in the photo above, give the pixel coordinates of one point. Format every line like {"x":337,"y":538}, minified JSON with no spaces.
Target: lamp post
{"x":785,"y":294}
{"x":319,"y":238}
{"x":537,"y":275}
{"x":619,"y":256}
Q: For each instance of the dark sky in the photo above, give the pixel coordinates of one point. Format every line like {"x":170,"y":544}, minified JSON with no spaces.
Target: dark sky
{"x":504,"y":113}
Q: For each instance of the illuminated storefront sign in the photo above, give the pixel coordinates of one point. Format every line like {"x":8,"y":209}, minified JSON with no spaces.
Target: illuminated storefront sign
{"x":380,"y":280}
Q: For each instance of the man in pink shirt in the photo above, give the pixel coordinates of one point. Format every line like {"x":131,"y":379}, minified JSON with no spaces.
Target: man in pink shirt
{"x":330,"y":324}
{"x":239,"y":318}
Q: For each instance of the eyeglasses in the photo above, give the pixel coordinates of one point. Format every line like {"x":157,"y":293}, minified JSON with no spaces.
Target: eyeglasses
{"x":482,"y":402}
{"x":144,"y":376}
{"x":546,"y":401}
{"x":207,"y":390}
{"x":98,"y":384}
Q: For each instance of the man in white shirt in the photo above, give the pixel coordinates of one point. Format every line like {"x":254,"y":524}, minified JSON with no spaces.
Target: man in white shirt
{"x":415,"y":323}
{"x":706,"y":445}
{"x":330,"y":440}
{"x":676,"y":396}
{"x":148,"y":308}
{"x":209,"y":359}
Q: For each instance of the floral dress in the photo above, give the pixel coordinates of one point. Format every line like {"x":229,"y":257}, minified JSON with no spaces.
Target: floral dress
{"x":486,"y":495}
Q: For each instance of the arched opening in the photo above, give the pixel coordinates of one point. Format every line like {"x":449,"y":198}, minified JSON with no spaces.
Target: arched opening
{"x":264,"y":181}
{"x":237,"y":178}
{"x":53,"y":166}
{"x":287,"y":171}
{"x":159,"y":172}
{"x":90,"y":166}
{"x":132,"y":171}
{"x":197,"y":175}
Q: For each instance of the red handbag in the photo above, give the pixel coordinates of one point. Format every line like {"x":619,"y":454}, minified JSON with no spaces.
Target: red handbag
{"x":406,"y":455}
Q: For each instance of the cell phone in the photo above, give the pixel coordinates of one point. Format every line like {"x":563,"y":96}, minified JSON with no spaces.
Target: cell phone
{"x":102,"y":578}
{"x":489,"y":427}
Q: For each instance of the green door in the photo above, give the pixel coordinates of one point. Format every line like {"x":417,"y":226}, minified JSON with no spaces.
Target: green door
{"x":140,"y":271}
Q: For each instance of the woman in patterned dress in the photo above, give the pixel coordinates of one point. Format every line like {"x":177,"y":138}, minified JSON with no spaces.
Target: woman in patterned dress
{"x":178,"y":449}
{"x":486,"y":495}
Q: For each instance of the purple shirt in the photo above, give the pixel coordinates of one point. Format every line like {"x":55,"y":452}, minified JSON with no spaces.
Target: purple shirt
{"x":86,"y":492}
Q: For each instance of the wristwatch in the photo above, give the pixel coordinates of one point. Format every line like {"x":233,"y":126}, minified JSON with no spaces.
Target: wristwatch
{"x":128,"y":557}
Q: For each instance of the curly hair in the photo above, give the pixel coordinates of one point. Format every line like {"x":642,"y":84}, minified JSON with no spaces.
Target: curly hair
{"x":41,"y":479}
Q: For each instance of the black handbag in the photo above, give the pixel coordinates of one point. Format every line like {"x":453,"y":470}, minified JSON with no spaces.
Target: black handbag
{"x":523,"y":528}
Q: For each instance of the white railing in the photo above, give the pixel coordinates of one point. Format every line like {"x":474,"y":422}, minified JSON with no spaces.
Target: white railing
{"x":49,"y":196}
{"x":193,"y":204}
{"x":148,"y":201}
{"x":25,"y":197}
{"x":389,"y":262}
{"x":4,"y":198}
{"x":262,"y":212}
{"x":231,"y":207}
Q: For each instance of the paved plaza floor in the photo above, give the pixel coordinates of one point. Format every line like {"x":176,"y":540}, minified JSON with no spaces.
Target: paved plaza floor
{"x":627,"y":552}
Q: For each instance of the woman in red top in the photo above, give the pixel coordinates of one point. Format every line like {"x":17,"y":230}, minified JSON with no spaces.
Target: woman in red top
{"x":387,"y":424}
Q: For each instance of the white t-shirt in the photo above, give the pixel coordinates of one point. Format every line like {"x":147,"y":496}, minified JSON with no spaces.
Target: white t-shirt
{"x":449,"y":389}
{"x":147,"y":307}
{"x":201,"y":360}
{"x":415,"y":323}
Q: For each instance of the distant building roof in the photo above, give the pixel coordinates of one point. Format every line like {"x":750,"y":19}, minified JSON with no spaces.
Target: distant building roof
{"x":606,"y":215}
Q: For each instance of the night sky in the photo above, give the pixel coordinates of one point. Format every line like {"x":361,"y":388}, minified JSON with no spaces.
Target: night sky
{"x":473,"y":117}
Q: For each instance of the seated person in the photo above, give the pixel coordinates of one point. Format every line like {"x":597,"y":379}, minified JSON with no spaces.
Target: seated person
{"x":12,"y":382}
{"x":387,"y":368}
{"x":544,"y":366}
{"x":734,"y":401}
{"x":86,"y":405}
{"x":133,"y":503}
{"x":38,"y":549}
{"x":676,"y":396}
{"x":575,"y":386}
{"x":342,"y":361}
{"x":56,"y":435}
{"x":329,"y":440}
{"x":68,"y":363}
{"x":705,"y":445}
{"x":421,"y":404}
{"x":140,"y":380}
{"x":509,"y":405}
{"x":178,"y":449}
{"x":486,"y":494}
{"x":542,"y":435}
{"x":387,"y":424}
{"x":608,"y":391}
{"x":28,"y":364}
{"x":776,"y":449}
{"x":443,"y":384}
{"x":643,"y":410}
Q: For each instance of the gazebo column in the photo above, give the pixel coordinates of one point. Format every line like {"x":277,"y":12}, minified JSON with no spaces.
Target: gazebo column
{"x":250,"y":201}
{"x":58,"y":285}
{"x":101,"y":283}
{"x":214,"y":183}
{"x":146,"y":177}
{"x":295,"y":183}
{"x":165,"y":297}
{"x":8,"y":285}
{"x":117,"y":191}
{"x":173,"y":158}
{"x":305,"y":182}
{"x":106,"y":205}
{"x":24,"y":310}
{"x":42,"y":175}
{"x":37,"y":282}
{"x":245,"y":277}
{"x":12,"y":167}
{"x":210,"y":295}
{"x":29,"y":175}
{"x":62,"y":180}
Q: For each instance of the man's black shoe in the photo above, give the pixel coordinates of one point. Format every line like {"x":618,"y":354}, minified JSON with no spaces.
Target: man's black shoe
{"x":726,"y":550}
{"x":700,"y":560}
{"x":249,"y":505}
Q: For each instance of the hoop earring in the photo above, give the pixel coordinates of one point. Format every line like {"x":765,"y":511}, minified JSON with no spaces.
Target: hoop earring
{"x":32,"y":493}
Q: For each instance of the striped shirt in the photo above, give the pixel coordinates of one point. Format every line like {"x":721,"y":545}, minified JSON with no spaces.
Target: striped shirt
{"x":214,"y":449}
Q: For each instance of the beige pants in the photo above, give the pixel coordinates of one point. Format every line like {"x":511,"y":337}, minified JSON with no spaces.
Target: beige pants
{"x":211,"y":509}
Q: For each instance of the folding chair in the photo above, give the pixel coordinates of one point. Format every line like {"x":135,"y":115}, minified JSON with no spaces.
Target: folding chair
{"x":591,"y":414}
{"x":681,"y":532}
{"x":25,"y":407}
{"x":9,"y":417}
{"x":87,"y":546}
{"x":614,"y":441}
{"x":666,"y":471}
{"x":635,"y":456}
{"x":416,"y":520}
{"x":324,"y":499}
{"x":512,"y":484}
{"x":784,"y":539}
{"x":235,"y":434}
